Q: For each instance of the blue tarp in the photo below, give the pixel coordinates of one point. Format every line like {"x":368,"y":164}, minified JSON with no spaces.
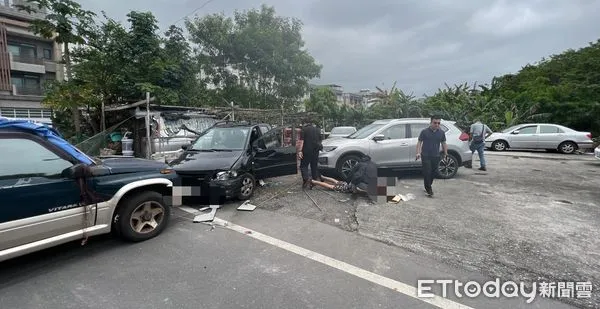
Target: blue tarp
{"x":50,"y":134}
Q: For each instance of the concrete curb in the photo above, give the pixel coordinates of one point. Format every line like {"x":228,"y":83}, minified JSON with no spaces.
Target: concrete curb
{"x":573,"y":157}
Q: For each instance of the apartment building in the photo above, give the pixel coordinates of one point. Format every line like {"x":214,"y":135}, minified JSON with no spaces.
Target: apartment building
{"x":27,"y":63}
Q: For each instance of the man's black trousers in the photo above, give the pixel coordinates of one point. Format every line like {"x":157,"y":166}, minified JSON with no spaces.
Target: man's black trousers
{"x":310,"y":158}
{"x":430,"y":170}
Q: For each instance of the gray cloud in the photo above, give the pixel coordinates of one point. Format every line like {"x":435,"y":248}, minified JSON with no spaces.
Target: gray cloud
{"x":419,"y":43}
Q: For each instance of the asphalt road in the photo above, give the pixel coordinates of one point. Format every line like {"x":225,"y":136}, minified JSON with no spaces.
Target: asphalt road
{"x":340,"y":253}
{"x":194,"y":265}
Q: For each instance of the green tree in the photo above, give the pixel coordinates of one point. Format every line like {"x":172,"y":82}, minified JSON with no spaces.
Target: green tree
{"x":465,"y":104}
{"x":180,"y":69}
{"x":394,"y":103}
{"x":256,"y":58}
{"x":118,"y":65}
{"x":66,"y":23}
{"x":564,"y":88}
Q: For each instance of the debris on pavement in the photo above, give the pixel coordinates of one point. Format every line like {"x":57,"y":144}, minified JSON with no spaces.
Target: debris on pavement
{"x":310,"y":197}
{"x":402,"y":197}
{"x":246,"y":206}
{"x":336,"y":220}
{"x":207,"y":216}
{"x":261,"y":183}
{"x":408,"y":197}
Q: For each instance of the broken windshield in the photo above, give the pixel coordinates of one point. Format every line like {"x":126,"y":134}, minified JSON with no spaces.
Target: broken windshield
{"x":222,"y":139}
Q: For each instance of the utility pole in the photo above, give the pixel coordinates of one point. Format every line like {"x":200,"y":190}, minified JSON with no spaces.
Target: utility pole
{"x":232,"y":111}
{"x":148,"y":141}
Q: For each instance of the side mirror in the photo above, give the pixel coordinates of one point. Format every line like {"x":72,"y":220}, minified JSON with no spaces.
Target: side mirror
{"x":75,"y":171}
{"x":379,"y":137}
{"x":515,"y":132}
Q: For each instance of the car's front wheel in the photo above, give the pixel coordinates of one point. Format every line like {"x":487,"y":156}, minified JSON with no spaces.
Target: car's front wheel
{"x":142,"y":216}
{"x":448,"y":167}
{"x":247,"y":186}
{"x":345,"y":165}
{"x":499,"y":145}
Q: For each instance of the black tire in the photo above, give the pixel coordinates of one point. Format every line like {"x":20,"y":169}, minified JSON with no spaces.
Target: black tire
{"x":345,"y":165}
{"x":148,"y":205}
{"x":448,"y":168}
{"x":499,"y":145}
{"x":567,"y":147}
{"x":247,"y":187}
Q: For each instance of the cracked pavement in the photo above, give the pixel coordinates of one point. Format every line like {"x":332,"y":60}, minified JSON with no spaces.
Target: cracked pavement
{"x":525,"y":219}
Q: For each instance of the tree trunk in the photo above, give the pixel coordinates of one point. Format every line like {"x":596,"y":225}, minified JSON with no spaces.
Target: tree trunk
{"x":74,"y":109}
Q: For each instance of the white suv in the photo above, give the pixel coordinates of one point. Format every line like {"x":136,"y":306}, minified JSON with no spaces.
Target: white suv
{"x":392,"y":144}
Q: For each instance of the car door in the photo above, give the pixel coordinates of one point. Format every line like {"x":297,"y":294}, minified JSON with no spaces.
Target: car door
{"x":414,"y":130}
{"x":550,"y":136}
{"x":524,"y":137}
{"x":273,"y":155}
{"x":393,"y":150}
{"x":37,"y":202}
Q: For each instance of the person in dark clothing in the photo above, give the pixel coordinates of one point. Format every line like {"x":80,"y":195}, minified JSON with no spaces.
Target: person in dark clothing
{"x":362,"y":179}
{"x":309,"y":153}
{"x":428,"y":150}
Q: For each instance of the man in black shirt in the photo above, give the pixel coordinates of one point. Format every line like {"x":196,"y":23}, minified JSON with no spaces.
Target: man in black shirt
{"x":309,"y":153}
{"x":428,"y":150}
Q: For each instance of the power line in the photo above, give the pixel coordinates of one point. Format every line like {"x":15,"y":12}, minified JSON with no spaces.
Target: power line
{"x":194,"y":11}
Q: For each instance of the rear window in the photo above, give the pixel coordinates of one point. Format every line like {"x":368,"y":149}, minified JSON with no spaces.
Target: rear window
{"x":416,"y":128}
{"x":339,"y":130}
{"x":264,"y":129}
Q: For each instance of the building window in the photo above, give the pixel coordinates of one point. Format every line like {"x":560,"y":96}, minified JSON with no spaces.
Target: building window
{"x":27,"y":84}
{"x":25,"y":53}
{"x":15,"y":50}
{"x":25,"y":113}
{"x":47,"y":54}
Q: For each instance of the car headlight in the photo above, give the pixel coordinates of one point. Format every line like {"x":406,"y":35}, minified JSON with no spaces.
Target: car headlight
{"x":329,"y":148}
{"x":226,"y":175}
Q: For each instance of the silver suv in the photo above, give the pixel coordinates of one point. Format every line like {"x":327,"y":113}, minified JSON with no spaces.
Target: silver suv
{"x":392,"y":144}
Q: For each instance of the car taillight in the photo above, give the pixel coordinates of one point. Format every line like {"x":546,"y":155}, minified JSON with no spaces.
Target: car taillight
{"x":464,"y":137}
{"x":589,"y":135}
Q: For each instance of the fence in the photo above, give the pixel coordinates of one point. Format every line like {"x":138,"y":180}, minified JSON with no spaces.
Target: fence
{"x":274,"y":117}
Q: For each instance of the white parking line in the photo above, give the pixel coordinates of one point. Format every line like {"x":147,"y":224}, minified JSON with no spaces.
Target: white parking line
{"x":397,"y":286}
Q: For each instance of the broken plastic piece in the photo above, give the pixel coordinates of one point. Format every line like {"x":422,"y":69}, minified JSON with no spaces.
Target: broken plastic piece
{"x":261,"y":183}
{"x":246,"y":206}
{"x":209,"y":216}
{"x":408,"y":197}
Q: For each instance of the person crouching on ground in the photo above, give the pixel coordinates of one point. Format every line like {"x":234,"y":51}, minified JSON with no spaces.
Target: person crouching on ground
{"x":362,"y":179}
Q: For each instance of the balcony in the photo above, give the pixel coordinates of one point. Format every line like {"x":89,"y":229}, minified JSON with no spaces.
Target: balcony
{"x":27,"y":64}
{"x":7,"y":9}
{"x":28,"y":90}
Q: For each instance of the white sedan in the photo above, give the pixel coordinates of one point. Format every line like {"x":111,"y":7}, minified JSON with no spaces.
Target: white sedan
{"x":597,"y":152}
{"x":540,"y":136}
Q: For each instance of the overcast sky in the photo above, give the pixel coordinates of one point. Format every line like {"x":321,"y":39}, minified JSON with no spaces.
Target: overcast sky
{"x":421,"y":44}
